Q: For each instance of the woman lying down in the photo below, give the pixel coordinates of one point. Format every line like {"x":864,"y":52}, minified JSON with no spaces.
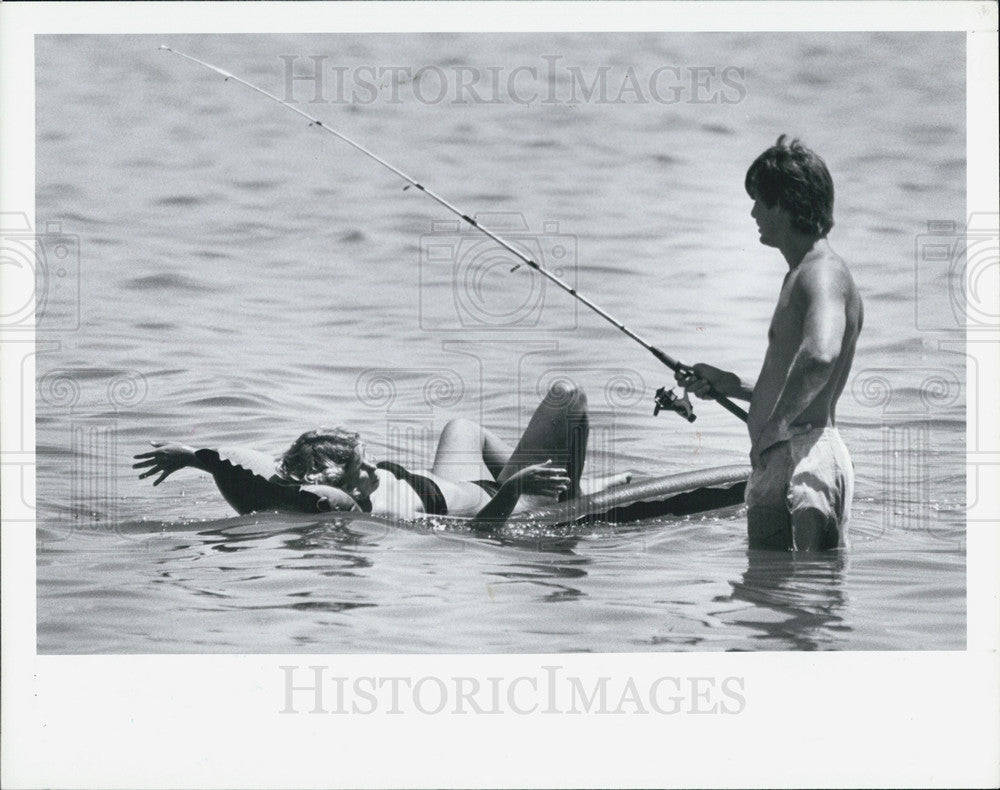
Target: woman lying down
{"x":474,"y":474}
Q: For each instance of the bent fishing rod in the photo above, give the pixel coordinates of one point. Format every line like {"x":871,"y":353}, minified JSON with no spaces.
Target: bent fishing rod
{"x":664,"y":399}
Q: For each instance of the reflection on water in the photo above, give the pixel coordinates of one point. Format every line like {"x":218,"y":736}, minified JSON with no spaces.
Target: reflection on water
{"x":677,"y":584}
{"x":796,"y":599}
{"x":555,"y":578}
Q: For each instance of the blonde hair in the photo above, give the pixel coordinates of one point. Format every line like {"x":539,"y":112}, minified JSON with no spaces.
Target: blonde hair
{"x":325,"y":456}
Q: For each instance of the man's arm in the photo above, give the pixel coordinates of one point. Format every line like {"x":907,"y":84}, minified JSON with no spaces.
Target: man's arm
{"x":821,"y":300}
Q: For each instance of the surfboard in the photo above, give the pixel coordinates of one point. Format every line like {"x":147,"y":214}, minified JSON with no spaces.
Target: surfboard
{"x":672,"y":495}
{"x":240,"y":476}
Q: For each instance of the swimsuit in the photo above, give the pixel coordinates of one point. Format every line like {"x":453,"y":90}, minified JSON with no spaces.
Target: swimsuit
{"x":811,"y":471}
{"x":430,"y":495}
{"x":491,"y":487}
{"x":428,"y":491}
{"x":245,"y":487}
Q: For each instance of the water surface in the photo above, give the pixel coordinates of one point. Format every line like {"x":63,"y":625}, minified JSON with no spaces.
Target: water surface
{"x":243,"y":278}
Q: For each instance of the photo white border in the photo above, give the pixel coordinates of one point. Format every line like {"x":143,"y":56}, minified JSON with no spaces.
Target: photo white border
{"x":824,"y":720}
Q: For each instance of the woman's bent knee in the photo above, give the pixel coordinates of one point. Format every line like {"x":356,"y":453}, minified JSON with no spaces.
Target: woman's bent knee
{"x":461,"y":424}
{"x":566,"y":393}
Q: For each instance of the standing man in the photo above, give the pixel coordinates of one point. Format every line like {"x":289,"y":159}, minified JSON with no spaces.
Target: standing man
{"x":800,"y":488}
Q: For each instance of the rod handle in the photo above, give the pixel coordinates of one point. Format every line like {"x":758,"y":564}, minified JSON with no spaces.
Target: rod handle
{"x":676,"y":366}
{"x":731,"y":407}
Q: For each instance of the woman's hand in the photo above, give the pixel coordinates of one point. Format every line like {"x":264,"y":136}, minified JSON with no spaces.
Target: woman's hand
{"x":331,"y":498}
{"x":542,"y":479}
{"x":536,"y":479}
{"x":166,"y":459}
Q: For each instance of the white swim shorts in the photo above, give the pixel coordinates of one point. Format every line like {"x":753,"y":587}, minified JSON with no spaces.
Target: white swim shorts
{"x":812,"y":471}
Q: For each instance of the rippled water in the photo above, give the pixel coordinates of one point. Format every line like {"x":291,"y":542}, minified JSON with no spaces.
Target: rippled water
{"x":243,"y":278}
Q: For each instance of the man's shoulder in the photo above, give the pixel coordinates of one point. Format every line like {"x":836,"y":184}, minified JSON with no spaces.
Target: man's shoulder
{"x":823,"y":258}
{"x":822,"y":271}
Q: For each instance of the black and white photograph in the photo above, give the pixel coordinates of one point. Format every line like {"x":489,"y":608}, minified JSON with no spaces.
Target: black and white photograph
{"x":325,"y":372}
{"x":519,"y":339}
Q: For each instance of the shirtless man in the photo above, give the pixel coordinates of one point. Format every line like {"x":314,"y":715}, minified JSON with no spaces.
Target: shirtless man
{"x":801,"y":485}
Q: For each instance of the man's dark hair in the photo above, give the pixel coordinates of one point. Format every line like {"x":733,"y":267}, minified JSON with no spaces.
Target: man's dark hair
{"x":795,"y":178}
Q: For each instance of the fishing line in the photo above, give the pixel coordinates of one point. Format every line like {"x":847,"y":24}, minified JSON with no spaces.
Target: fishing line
{"x":667,"y":360}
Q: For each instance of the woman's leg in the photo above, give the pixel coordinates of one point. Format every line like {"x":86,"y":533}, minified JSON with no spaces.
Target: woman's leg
{"x":558,"y":430}
{"x":468,"y":451}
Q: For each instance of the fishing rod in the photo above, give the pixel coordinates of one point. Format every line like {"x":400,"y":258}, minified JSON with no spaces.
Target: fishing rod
{"x":664,"y":399}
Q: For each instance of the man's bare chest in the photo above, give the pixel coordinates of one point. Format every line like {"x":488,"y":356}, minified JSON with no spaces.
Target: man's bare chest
{"x":786,"y":322}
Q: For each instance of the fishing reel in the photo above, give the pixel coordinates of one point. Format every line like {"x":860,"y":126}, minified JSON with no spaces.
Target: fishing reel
{"x":667,"y":400}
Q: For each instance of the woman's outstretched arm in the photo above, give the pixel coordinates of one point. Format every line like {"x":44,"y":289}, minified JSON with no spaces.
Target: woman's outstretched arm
{"x":166,"y":459}
{"x":244,"y":477}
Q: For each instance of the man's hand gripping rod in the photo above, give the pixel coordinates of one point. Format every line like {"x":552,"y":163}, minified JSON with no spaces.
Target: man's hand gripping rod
{"x":663,"y":401}
{"x":666,"y":399}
